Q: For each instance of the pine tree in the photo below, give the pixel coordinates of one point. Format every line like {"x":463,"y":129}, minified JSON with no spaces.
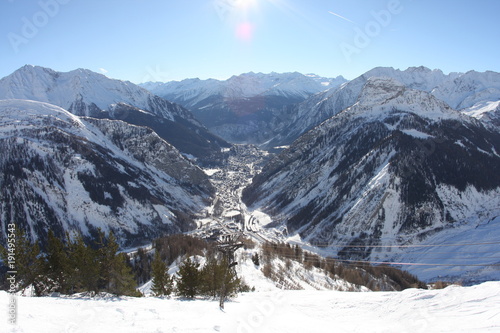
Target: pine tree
{"x":106,"y":252}
{"x":162,"y":282}
{"x":57,"y":264}
{"x":212,"y":275}
{"x":188,"y":281}
{"x":115,"y":272}
{"x":84,"y":266}
{"x":122,"y":278}
{"x":27,"y":262}
{"x":255,"y":259}
{"x":142,"y":261}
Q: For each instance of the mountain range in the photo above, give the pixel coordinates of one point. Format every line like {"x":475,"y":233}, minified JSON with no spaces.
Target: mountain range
{"x":474,"y":93}
{"x":275,"y":109}
{"x":247,"y":108}
{"x":389,"y":166}
{"x":86,"y":93}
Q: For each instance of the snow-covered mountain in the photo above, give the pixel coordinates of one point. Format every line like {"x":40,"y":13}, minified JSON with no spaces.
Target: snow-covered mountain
{"x":275,"y":109}
{"x":192,"y":92}
{"x":62,"y":172}
{"x":397,"y":168}
{"x":85,"y":93}
{"x":472,"y":93}
{"x":476,"y":94}
{"x":466,"y":90}
{"x":245,"y":108}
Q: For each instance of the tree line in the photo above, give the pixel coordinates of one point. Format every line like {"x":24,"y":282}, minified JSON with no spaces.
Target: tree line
{"x":376,"y":278}
{"x":193,"y":280}
{"x":74,"y":266}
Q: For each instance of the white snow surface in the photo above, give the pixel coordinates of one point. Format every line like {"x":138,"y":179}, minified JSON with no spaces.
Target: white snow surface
{"x":478,"y":110}
{"x":453,"y":309}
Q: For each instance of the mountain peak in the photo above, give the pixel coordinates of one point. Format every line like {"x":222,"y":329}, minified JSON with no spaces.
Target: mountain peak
{"x":381,"y":95}
{"x":379,"y":90}
{"x":64,"y":88}
{"x":421,"y":69}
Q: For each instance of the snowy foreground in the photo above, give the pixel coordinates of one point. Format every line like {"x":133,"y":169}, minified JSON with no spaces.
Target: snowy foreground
{"x":454,"y":309}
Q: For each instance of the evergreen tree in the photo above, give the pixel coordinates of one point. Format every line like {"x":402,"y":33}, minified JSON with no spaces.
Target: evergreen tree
{"x":106,"y":252}
{"x":212,"y":276}
{"x":188,"y":281}
{"x":255,"y":259}
{"x":57,"y":265}
{"x":115,"y":272}
{"x":162,"y":282}
{"x":84,"y":266}
{"x":215,"y":275}
{"x":122,"y":278}
{"x":27,"y":262}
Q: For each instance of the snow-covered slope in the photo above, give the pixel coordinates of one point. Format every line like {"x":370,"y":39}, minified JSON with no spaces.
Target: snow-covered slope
{"x":454,"y":309}
{"x":63,"y":173}
{"x":466,"y":92}
{"x":85,"y":93}
{"x":487,"y":111}
{"x":468,"y":89}
{"x":394,"y":169}
{"x":245,"y":108}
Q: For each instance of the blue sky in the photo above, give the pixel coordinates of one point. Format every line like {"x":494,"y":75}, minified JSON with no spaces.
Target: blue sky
{"x":163,"y":40}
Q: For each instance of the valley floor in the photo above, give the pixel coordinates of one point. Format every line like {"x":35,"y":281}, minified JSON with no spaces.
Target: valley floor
{"x":454,"y":309}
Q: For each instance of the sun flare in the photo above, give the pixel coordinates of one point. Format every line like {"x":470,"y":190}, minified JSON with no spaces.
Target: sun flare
{"x":245,"y":4}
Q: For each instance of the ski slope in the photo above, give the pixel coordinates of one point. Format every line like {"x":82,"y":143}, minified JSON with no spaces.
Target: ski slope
{"x":454,"y":309}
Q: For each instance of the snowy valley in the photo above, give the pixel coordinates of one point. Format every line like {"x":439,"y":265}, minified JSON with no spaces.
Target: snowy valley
{"x":325,"y":184}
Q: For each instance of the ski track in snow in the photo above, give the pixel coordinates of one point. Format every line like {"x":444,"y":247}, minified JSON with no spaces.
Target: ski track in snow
{"x":454,"y":309}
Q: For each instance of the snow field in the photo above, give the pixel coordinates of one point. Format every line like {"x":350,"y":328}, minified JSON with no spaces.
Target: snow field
{"x":454,"y":309}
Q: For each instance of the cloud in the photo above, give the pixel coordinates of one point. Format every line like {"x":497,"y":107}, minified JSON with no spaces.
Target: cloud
{"x":103,"y":71}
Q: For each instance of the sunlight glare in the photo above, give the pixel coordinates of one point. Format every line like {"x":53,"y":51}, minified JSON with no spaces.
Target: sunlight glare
{"x":245,"y":4}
